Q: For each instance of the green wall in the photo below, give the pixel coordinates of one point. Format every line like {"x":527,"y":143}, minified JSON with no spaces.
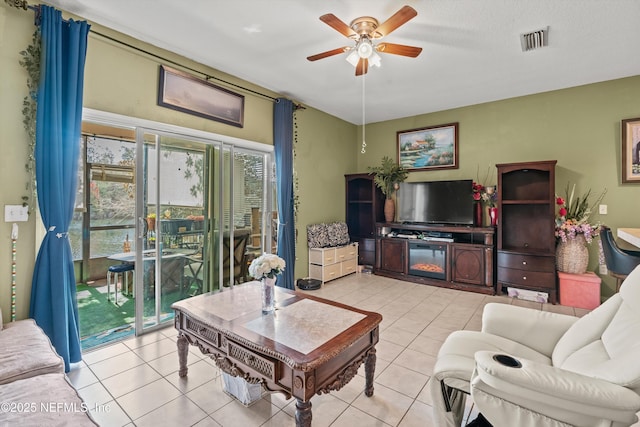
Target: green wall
{"x":16,"y":28}
{"x":122,"y":80}
{"x":580,"y":127}
{"x":322,"y":156}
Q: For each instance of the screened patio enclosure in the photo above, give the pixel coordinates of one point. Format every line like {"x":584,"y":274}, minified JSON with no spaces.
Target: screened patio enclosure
{"x":189,"y":210}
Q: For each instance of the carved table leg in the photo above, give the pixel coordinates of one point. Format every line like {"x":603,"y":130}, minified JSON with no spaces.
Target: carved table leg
{"x":303,"y":413}
{"x":369,"y":370}
{"x":183,"y":351}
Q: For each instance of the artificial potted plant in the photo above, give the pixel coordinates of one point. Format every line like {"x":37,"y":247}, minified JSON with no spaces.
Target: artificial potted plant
{"x":574,"y":231}
{"x":387,"y":177}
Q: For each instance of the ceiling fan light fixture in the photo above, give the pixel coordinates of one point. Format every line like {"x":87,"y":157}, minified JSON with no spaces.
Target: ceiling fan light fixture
{"x":364,"y":48}
{"x":374,"y":59}
{"x":353,"y":58}
{"x":363,"y":31}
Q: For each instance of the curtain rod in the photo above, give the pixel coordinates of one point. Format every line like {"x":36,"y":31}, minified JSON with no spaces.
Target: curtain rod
{"x":297,"y":106}
{"x":24,"y":5}
{"x":193,"y":70}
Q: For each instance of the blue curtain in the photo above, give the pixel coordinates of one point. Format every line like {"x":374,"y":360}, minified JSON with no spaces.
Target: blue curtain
{"x":58,"y":121}
{"x":283,"y":142}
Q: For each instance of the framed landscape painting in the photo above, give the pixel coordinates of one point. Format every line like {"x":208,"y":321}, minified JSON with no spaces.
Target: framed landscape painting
{"x":631,"y":150}
{"x":434,"y":147}
{"x":189,"y":94}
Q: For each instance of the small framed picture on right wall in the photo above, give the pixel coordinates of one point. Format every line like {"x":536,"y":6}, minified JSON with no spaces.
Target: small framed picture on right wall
{"x":631,"y":150}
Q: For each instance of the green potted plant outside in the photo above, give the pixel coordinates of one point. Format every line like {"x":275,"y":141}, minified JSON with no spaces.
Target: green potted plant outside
{"x":387,"y":177}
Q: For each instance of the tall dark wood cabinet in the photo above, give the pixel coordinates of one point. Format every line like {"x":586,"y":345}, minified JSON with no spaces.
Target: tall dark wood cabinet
{"x":526,"y":220}
{"x":364,"y":208}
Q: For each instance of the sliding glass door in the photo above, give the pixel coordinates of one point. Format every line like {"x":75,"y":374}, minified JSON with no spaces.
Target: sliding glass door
{"x":242,"y":211}
{"x":204,"y":211}
{"x":187,"y":209}
{"x":172,"y":228}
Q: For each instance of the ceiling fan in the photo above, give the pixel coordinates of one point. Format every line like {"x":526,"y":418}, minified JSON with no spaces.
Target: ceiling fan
{"x":364,"y":30}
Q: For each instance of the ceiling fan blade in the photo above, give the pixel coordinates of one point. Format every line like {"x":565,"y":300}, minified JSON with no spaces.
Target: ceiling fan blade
{"x":399,"y":18}
{"x":328,"y":53}
{"x":399,"y":49}
{"x":362,"y":67}
{"x":334,"y":22}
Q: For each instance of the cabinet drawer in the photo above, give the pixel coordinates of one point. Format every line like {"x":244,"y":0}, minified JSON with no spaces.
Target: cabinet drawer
{"x":315,"y":271}
{"x":322,"y":256}
{"x":346,"y":252}
{"x":248,"y":358}
{"x":330,"y":272}
{"x":349,"y":266}
{"x":325,"y":273}
{"x":201,"y":330}
{"x":527,"y":262}
{"x":527,"y":278}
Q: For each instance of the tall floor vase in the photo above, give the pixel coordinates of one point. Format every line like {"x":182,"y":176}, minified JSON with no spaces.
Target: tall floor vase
{"x":477,"y":214}
{"x":389,"y":210}
{"x":572,"y":256}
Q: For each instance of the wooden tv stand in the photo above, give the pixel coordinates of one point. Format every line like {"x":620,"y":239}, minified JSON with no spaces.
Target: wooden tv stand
{"x":469,"y":263}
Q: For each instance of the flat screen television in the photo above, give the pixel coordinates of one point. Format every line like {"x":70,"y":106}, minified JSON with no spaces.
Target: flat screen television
{"x":436,"y":202}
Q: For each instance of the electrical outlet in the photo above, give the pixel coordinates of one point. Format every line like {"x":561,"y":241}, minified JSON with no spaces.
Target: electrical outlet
{"x":602,"y":209}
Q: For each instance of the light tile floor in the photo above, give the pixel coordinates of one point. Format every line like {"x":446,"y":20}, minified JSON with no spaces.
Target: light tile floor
{"x":135,"y":382}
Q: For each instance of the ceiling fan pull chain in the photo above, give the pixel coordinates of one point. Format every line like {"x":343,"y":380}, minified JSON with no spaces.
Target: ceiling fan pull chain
{"x":364,"y":123}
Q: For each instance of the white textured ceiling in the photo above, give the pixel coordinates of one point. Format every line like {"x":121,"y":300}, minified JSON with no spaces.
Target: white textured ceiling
{"x":471,"y":48}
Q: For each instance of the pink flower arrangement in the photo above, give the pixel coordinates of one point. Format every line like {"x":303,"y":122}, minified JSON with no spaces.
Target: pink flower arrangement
{"x":573,"y":216}
{"x":570,"y":228}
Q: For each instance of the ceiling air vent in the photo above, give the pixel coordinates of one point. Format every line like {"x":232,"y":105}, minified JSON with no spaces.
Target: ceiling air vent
{"x":534,"y":39}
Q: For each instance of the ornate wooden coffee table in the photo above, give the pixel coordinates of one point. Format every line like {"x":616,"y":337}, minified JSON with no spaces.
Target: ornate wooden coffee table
{"x":308,"y":346}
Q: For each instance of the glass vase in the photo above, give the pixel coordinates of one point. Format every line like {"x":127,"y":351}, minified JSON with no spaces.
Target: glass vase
{"x":267,"y":285}
{"x":493,"y":215}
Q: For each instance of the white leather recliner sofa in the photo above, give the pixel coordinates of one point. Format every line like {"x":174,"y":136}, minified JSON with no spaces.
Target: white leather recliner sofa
{"x":530,"y":368}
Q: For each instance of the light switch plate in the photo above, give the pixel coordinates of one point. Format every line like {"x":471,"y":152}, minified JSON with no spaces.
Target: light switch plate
{"x":16,"y":213}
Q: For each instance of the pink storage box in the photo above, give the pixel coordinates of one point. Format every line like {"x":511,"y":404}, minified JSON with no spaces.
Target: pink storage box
{"x":579,"y":290}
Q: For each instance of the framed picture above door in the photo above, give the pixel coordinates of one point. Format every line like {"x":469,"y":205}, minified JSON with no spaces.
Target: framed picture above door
{"x":183,"y":92}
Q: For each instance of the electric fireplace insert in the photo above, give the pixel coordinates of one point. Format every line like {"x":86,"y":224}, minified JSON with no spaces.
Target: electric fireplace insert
{"x":428,"y":260}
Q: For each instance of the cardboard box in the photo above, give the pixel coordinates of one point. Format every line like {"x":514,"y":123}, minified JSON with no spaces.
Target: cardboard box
{"x":528,"y":295}
{"x":579,"y":290}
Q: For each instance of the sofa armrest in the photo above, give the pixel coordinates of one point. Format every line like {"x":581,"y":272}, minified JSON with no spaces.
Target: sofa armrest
{"x":539,"y":330}
{"x":547,"y":389}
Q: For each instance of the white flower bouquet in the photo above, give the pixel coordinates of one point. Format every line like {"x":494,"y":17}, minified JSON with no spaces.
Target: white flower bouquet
{"x":266,"y":265}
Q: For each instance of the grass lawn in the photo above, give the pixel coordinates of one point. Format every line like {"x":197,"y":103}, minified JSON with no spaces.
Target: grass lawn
{"x":102,"y":321}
